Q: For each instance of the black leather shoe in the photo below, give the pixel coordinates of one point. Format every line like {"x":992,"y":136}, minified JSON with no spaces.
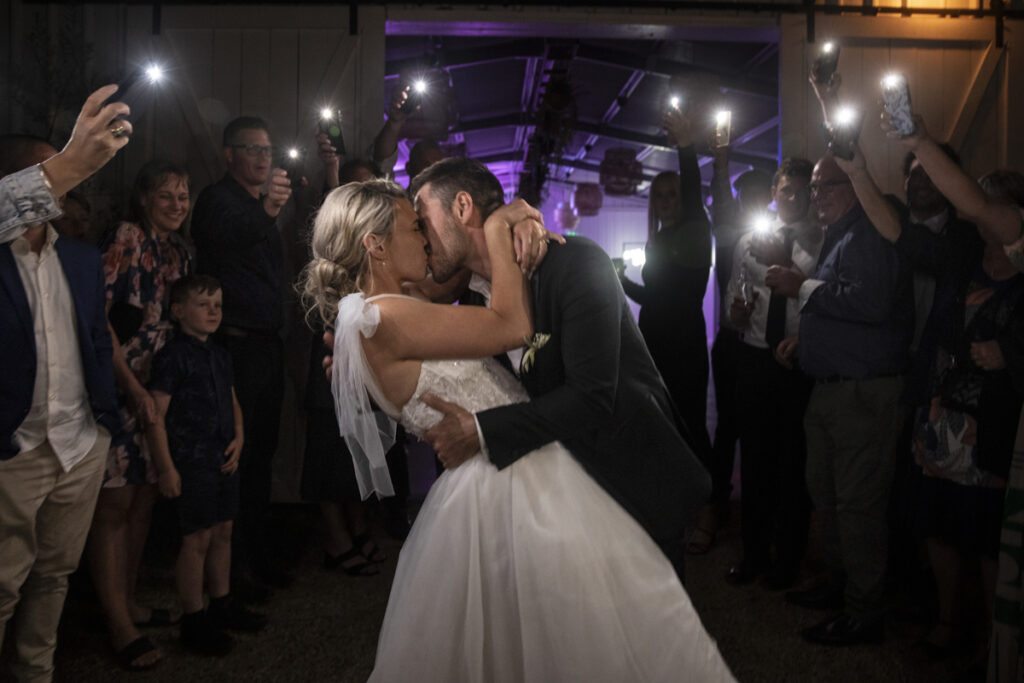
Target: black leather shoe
{"x":742,"y":574}
{"x":824,"y":596}
{"x":845,"y":630}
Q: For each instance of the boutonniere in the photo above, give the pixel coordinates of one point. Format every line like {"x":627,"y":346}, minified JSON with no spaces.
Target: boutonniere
{"x":538,"y":342}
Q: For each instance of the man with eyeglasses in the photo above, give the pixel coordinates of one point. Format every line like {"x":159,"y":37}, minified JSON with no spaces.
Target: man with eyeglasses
{"x":856,"y":322}
{"x":234,"y":226}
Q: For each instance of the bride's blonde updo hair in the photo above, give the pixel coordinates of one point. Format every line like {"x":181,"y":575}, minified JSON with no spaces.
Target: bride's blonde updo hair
{"x":339,"y":265}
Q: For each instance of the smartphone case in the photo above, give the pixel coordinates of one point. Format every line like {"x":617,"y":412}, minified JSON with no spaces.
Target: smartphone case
{"x":896,"y":100}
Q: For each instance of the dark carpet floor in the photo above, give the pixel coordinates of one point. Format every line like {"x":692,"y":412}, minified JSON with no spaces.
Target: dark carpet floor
{"x":324,"y":627}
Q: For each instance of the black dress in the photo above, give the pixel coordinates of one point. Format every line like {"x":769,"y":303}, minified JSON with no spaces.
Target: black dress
{"x":675,"y":274}
{"x":327,"y":471}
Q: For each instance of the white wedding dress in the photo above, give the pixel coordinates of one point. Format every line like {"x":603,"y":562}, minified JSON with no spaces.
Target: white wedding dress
{"x":530,"y":574}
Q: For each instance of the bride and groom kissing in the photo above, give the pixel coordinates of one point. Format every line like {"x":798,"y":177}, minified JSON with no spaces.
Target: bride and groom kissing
{"x":551,"y":548}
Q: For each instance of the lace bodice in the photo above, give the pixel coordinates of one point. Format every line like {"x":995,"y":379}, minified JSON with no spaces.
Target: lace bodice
{"x":472,"y":384}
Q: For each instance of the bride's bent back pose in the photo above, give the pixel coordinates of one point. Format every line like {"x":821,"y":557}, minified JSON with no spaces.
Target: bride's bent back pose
{"x":528,"y":573}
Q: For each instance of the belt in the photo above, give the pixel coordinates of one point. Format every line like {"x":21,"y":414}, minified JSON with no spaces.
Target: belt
{"x":834,"y":379}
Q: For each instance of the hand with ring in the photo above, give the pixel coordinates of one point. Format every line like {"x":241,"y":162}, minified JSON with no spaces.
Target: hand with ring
{"x":96,"y":138}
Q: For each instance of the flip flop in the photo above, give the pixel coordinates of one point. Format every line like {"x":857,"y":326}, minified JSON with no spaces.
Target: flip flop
{"x":369,"y":548}
{"x":127,"y":655}
{"x":361,"y":568}
{"x":158,"y":618}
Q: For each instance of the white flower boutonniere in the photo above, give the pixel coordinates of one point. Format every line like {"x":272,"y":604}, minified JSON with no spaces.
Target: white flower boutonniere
{"x":538,"y":342}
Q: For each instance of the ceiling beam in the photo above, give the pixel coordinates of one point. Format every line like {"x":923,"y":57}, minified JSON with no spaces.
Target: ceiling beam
{"x":664,"y":67}
{"x":658,"y":141}
{"x":461,"y":57}
{"x":536,"y":47}
{"x":756,"y":132}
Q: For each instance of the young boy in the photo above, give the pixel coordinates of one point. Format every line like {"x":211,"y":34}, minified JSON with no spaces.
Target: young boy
{"x":196,"y":441}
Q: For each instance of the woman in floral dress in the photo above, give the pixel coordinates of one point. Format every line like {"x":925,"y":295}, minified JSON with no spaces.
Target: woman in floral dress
{"x":141,"y":259}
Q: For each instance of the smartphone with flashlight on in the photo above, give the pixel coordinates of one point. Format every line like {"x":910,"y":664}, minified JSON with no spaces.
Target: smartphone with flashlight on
{"x":292,"y":163}
{"x":825,"y":62}
{"x":135,"y":89}
{"x":723,"y":124}
{"x":417,"y":91}
{"x":896,"y":100}
{"x":330,"y":125}
{"x":842,"y":132}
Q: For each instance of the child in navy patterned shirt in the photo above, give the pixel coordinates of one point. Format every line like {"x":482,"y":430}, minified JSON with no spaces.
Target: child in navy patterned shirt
{"x":196,"y":442}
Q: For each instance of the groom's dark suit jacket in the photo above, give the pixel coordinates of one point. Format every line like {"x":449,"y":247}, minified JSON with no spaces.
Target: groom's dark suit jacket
{"x":595,"y":389}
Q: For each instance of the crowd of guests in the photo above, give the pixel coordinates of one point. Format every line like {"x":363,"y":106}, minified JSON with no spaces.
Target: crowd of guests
{"x":869,"y":362}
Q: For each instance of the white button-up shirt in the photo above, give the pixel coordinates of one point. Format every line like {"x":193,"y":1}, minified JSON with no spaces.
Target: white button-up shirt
{"x":807,"y":239}
{"x":60,"y":409}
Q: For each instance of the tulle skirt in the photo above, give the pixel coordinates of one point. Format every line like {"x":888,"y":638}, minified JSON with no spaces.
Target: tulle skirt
{"x":534,"y":573}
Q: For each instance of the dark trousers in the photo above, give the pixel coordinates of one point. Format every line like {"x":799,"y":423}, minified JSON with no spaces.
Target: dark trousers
{"x":773,"y":455}
{"x":258,"y":368}
{"x":724,"y":363}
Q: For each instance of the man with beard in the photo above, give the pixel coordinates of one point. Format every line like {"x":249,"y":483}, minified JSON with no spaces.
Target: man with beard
{"x":856,"y":321}
{"x":928,"y":207}
{"x":593,"y":385}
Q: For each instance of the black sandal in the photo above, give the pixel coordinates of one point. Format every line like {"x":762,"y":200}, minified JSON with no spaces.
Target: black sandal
{"x":127,"y":655}
{"x":369,"y":548}
{"x":361,"y":568}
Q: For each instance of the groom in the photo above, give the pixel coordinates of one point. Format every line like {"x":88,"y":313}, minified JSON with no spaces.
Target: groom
{"x":593,"y":385}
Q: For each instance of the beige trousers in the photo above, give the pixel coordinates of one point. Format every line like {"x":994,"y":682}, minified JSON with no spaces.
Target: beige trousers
{"x":45,"y":515}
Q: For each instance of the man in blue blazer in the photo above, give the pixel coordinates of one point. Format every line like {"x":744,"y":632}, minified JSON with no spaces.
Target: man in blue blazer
{"x":57,"y":401}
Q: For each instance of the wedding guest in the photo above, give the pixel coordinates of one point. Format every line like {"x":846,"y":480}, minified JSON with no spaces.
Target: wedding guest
{"x":855,"y":325}
{"x":772,"y":397}
{"x":57,"y":402}
{"x":384,"y":149}
{"x":678,"y":260}
{"x":964,"y":434}
{"x":925,"y":206}
{"x":731,"y":218}
{"x":1005,"y":662}
{"x":328,"y":477}
{"x":423,"y":154}
{"x":235,"y":230}
{"x":197,"y":437}
{"x":142,"y":258}
{"x":994,"y":216}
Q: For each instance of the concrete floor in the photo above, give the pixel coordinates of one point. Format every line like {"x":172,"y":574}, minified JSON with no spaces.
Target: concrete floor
{"x":324,"y":628}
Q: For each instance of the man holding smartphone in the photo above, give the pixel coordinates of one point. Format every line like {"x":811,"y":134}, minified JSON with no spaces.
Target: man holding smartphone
{"x":856,"y":320}
{"x":234,"y":226}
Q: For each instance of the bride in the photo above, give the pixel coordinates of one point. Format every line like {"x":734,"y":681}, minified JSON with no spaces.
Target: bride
{"x":531,"y":573}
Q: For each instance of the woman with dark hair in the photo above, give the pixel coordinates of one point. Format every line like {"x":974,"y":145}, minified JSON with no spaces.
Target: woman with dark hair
{"x":142,"y":257}
{"x":678,"y":261}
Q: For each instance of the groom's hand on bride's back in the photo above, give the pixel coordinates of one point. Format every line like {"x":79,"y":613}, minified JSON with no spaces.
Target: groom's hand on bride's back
{"x":454,"y":438}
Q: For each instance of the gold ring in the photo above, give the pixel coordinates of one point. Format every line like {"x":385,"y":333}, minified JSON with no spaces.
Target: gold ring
{"x":118,"y":131}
